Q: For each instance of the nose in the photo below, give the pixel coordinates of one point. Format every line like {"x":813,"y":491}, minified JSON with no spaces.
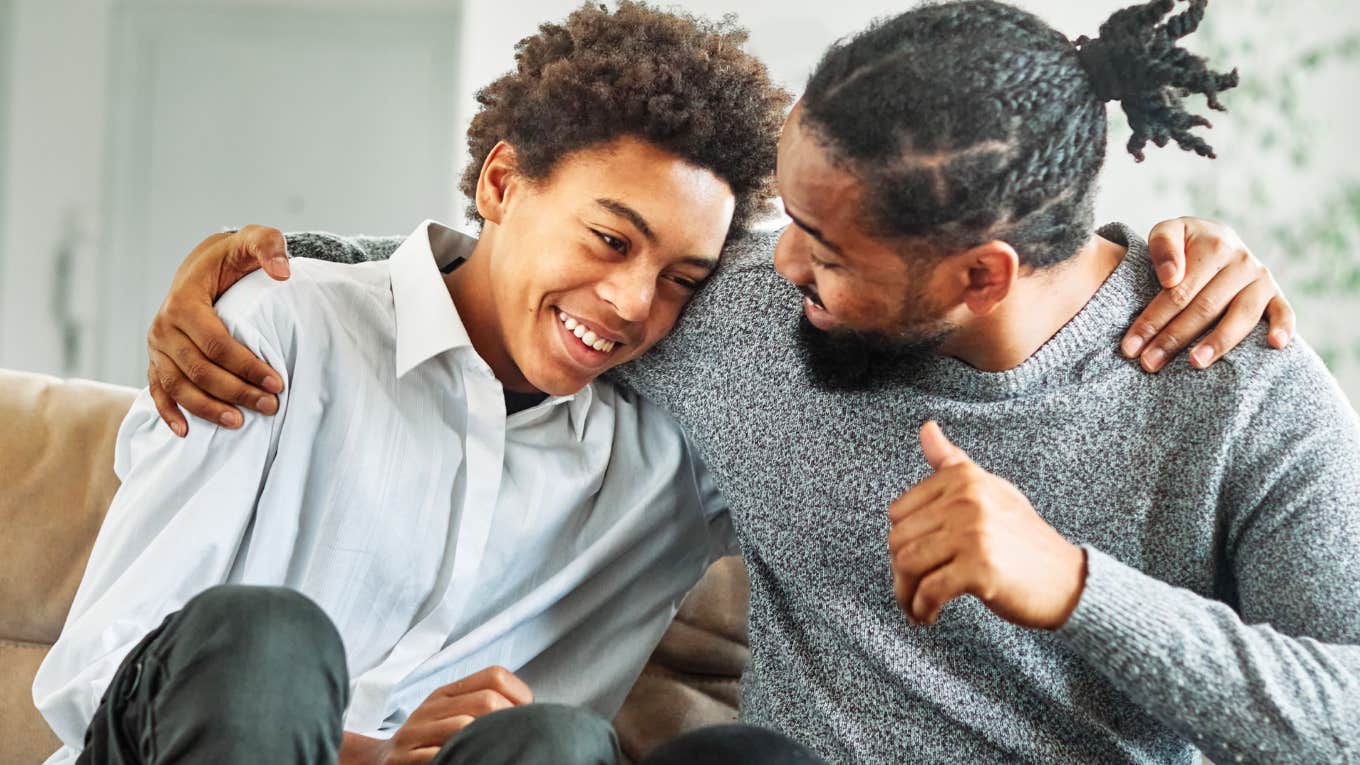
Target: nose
{"x":790,"y":257}
{"x":631,"y":292}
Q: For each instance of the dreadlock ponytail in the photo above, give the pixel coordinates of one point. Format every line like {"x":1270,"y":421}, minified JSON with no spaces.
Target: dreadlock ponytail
{"x":1136,"y":62}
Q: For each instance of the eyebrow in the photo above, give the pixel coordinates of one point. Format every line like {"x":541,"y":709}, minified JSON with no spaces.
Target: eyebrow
{"x":624,"y":211}
{"x":814,"y":233}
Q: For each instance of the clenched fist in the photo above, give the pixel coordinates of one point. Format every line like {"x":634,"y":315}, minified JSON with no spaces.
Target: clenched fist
{"x":964,"y":531}
{"x":447,"y":710}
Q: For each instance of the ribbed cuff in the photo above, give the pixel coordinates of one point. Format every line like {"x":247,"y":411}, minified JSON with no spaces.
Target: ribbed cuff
{"x":1124,"y":616}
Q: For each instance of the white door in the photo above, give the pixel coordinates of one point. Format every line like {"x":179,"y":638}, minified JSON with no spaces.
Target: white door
{"x":331,"y":119}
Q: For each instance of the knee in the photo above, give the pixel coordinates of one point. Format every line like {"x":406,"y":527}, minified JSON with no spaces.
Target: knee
{"x":259,"y":667}
{"x":535,"y":733}
{"x":734,"y":744}
{"x":263,"y":622}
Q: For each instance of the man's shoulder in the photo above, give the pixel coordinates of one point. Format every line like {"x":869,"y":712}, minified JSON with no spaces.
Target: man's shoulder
{"x":746,"y":284}
{"x":750,"y":250}
{"x":355,"y":248}
{"x":1261,"y":386}
{"x":1255,"y":364}
{"x":1294,"y":378}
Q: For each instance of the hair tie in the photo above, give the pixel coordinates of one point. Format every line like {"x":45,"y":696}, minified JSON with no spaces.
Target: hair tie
{"x":1098,"y":61}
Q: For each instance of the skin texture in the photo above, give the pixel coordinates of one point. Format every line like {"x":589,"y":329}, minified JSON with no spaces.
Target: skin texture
{"x":445,"y":712}
{"x":565,"y":244}
{"x":964,"y":531}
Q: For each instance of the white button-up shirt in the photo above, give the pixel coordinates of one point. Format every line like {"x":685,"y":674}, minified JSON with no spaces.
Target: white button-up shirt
{"x":440,"y":535}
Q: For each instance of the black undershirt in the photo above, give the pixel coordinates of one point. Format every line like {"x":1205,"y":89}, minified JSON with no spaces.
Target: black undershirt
{"x":518,"y":402}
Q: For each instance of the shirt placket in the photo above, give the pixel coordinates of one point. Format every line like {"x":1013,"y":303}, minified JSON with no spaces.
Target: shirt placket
{"x":484,"y":459}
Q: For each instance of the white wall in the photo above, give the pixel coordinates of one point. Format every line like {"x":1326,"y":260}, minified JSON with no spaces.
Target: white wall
{"x":54,"y":160}
{"x":6,"y":54}
{"x":55,"y":167}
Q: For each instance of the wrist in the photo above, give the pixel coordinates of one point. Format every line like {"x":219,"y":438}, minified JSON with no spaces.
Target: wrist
{"x":356,"y":749}
{"x":1076,"y":579}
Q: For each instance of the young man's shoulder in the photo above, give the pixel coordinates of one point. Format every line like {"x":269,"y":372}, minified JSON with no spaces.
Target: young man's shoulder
{"x":318,"y":294}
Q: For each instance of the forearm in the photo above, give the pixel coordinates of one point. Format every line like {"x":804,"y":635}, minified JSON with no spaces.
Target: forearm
{"x":356,"y":749}
{"x":340,"y":249}
{"x":1235,"y":690}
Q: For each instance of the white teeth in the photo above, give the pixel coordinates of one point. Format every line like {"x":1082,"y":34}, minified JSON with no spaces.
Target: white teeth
{"x":588,"y":338}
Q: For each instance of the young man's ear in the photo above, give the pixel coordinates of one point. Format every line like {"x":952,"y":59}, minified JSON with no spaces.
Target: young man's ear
{"x":990,"y":270}
{"x":493,"y":185}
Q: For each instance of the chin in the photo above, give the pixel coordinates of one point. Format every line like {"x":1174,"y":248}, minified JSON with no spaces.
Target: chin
{"x":558,"y":384}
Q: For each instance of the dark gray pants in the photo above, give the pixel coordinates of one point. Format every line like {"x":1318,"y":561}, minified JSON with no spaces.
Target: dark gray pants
{"x":258,"y":675}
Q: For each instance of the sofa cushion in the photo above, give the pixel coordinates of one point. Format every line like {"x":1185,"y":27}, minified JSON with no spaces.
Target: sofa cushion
{"x":56,"y":470}
{"x":25,"y":738}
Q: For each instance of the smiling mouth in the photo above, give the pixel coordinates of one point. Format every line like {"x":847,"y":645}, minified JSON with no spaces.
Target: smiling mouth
{"x":812,"y":297}
{"x":586,"y":336}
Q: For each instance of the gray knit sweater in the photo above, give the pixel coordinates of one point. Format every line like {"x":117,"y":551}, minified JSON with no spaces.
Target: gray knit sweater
{"x":1220,"y":510}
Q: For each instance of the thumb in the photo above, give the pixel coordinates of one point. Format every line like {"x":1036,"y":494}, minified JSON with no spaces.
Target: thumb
{"x":940,"y":453}
{"x":1166,"y":248}
{"x":260,"y":247}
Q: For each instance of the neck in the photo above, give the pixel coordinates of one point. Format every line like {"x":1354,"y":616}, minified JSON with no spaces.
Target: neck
{"x":1038,"y":305}
{"x":470,"y":287}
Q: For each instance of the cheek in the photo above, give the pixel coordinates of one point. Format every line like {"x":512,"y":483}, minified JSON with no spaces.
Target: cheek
{"x":551,"y":275}
{"x":840,"y":294}
{"x":856,"y":303}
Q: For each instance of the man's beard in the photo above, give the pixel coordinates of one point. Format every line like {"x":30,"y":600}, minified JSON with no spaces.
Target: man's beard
{"x":848,"y":361}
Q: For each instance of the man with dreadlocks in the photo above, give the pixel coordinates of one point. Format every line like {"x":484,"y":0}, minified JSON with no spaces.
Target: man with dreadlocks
{"x":1156,"y":562}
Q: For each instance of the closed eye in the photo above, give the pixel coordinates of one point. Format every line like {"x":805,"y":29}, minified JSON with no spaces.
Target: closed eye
{"x":819,"y":263}
{"x":686,"y":282}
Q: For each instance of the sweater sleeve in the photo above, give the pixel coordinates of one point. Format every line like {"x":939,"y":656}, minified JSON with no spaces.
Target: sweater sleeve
{"x":1272,"y":675}
{"x":320,"y":245}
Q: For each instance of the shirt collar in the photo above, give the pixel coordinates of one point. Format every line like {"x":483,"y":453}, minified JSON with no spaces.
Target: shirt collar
{"x":427,"y":321}
{"x":579,"y":403}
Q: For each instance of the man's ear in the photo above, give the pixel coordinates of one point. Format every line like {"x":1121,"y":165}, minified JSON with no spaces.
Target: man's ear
{"x":992,"y":268}
{"x":493,"y":184}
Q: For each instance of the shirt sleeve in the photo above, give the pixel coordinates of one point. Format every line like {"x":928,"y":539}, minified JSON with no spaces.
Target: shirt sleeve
{"x":173,"y":530}
{"x":1273,"y":675}
{"x":320,"y":245}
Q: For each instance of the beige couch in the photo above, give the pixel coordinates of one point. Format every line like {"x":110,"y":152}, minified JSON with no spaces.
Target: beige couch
{"x":56,"y":481}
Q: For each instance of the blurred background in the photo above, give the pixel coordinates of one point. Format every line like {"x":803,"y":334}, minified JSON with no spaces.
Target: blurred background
{"x":131,"y":129}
